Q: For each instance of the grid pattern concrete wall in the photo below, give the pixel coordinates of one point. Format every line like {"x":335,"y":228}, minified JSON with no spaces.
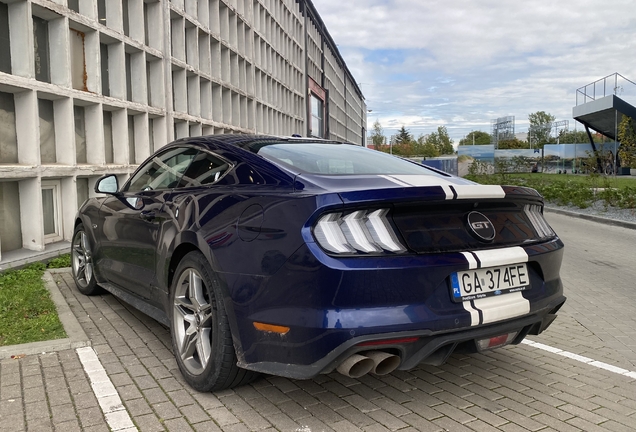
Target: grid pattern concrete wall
{"x":90,"y":87}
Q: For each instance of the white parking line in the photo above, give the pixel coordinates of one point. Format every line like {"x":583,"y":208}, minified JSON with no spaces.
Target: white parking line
{"x":114,"y":411}
{"x":580,"y":358}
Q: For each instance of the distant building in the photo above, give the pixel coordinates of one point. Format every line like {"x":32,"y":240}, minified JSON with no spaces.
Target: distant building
{"x":89,"y":87}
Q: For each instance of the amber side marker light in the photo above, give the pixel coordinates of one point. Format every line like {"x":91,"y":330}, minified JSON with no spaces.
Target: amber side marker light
{"x":389,"y":341}
{"x":271,"y":328}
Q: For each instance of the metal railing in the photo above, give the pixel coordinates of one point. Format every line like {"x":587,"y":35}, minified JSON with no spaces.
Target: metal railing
{"x":614,"y":84}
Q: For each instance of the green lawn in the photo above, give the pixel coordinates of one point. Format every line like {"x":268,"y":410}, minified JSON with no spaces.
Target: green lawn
{"x":571,"y":189}
{"x":27,"y":313}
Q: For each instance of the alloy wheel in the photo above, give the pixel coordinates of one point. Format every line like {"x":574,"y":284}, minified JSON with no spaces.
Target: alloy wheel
{"x":193,"y":321}
{"x":82,"y":259}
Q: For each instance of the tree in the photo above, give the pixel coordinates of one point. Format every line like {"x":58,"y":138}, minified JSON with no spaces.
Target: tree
{"x":627,"y":138}
{"x":377,"y":137}
{"x":572,"y":137}
{"x":477,"y":138}
{"x":425,"y":148}
{"x":442,"y":141}
{"x":403,"y":136}
{"x":514,"y":143}
{"x":540,"y":128}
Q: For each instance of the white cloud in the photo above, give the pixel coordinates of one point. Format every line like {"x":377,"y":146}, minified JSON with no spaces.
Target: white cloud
{"x":461,"y":63}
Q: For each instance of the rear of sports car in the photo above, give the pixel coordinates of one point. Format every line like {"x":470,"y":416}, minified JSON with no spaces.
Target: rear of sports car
{"x":398,"y":270}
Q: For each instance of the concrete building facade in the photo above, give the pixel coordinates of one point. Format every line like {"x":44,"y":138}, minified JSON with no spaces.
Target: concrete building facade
{"x":89,"y":87}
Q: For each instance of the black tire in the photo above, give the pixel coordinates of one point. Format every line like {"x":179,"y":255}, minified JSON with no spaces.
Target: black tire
{"x":201,"y":336}
{"x":82,"y":265}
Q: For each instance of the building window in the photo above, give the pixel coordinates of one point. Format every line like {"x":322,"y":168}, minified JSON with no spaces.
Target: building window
{"x":41,"y":49}
{"x":128,"y":65}
{"x":131,"y":140}
{"x":103,"y":54}
{"x":108,"y":137}
{"x":5,"y":48}
{"x":73,"y":5}
{"x":52,"y":210}
{"x":47,"y":132}
{"x":78,"y":60}
{"x":317,"y":117}
{"x":101,"y":11}
{"x":82,"y":191}
{"x":8,"y":135}
{"x":80,"y":134}
{"x":317,"y":109}
{"x":10,"y":225}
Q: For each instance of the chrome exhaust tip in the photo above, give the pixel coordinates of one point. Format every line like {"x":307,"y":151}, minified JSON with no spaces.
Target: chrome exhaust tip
{"x":383,"y":362}
{"x":356,"y":366}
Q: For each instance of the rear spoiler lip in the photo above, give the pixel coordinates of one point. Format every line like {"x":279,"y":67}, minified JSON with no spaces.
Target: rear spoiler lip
{"x":441,"y":193}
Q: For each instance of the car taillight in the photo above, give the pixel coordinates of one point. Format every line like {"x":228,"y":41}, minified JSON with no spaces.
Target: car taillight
{"x":361,"y":231}
{"x":540,"y":225}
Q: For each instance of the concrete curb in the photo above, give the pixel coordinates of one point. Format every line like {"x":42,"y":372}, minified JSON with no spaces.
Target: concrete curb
{"x":593,"y":218}
{"x":76,"y":336}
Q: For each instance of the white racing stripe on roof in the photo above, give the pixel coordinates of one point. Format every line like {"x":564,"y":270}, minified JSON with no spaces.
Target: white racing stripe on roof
{"x":502,"y":307}
{"x":422,"y":180}
{"x":396,"y":181}
{"x":479,"y":191}
{"x":503,"y":256}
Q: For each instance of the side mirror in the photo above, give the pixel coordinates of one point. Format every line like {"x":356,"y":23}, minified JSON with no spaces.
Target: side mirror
{"x":107,"y":184}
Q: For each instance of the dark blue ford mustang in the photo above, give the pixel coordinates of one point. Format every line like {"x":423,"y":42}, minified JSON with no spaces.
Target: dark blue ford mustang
{"x":297,"y":257}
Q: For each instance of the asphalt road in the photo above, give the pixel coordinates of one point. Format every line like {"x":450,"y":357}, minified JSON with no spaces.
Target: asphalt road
{"x":579,"y":375}
{"x":599,"y":275}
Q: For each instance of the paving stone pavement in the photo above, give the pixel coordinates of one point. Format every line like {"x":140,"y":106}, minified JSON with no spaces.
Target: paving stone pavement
{"x":519,"y":388}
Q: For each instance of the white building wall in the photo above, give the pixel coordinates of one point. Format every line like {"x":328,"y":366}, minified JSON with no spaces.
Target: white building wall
{"x":144,"y":76}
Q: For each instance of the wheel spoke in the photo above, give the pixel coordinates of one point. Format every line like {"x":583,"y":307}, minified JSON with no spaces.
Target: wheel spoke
{"x":206,"y":316}
{"x":189,"y":343}
{"x":204,"y":348}
{"x":195,"y":289}
{"x":84,"y":240}
{"x":88,"y":272}
{"x":182,"y":304}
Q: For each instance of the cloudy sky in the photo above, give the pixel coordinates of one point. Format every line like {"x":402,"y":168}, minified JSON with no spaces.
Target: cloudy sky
{"x":462,"y":63}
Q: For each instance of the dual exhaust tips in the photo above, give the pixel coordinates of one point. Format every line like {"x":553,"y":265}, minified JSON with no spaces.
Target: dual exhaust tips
{"x":376,"y":362}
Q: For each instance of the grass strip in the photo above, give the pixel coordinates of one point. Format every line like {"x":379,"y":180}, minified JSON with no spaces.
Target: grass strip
{"x":27,"y":313}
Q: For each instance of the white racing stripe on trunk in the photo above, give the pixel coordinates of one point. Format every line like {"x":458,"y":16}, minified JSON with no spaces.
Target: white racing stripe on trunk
{"x":472,"y":262}
{"x":502,"y":307}
{"x":479,"y":191}
{"x":499,"y":257}
{"x":505,"y":306}
{"x":448,"y":192}
{"x":474,"y":313}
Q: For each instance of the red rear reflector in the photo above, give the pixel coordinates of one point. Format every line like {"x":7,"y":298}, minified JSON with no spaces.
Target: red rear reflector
{"x":496,"y":342}
{"x":389,"y":341}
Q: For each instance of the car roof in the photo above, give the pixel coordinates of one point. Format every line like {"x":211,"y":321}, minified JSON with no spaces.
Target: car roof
{"x":251,"y":142}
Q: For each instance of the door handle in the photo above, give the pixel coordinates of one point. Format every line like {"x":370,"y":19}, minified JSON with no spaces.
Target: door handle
{"x":147,"y":215}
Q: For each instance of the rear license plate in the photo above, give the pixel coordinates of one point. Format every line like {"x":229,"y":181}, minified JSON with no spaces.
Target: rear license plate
{"x":491,"y":281}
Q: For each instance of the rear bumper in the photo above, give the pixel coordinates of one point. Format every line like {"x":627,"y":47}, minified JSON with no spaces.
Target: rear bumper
{"x":331,"y":306}
{"x":429,"y":347}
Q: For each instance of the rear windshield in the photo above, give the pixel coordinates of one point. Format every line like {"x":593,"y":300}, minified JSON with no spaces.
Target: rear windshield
{"x":339,"y":159}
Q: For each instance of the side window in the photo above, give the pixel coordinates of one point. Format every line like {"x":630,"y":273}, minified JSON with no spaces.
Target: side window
{"x":162,"y":171}
{"x":204,"y":169}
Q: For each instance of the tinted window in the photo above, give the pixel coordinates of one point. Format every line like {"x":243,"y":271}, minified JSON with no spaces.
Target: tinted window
{"x":163,"y":171}
{"x":204,"y":169}
{"x":339,"y":159}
